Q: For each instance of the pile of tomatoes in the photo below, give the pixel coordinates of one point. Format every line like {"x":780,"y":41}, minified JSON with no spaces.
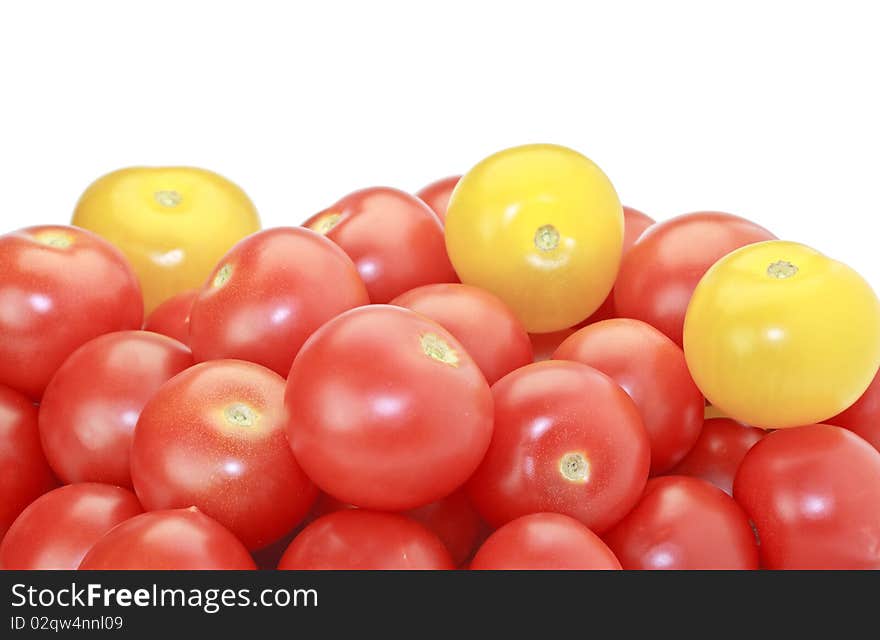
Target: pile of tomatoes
{"x":508,"y":370}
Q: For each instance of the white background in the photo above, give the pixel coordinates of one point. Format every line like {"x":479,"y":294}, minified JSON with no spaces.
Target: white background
{"x":765,"y":109}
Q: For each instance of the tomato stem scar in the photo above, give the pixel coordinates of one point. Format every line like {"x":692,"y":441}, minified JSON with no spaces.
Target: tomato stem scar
{"x":324,"y":224}
{"x":168,"y":198}
{"x":575,"y":467}
{"x":781,"y":269}
{"x":240,"y":414}
{"x":547,"y":237}
{"x":56,"y":239}
{"x":436,"y":347}
{"x":222,"y":276}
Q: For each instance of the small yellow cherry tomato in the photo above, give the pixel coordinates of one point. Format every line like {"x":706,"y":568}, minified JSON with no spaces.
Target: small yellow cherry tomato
{"x":778,"y":335}
{"x":173,"y":223}
{"x":541,"y":227}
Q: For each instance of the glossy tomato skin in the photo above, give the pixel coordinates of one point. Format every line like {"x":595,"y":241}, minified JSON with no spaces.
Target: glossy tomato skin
{"x":360,"y":539}
{"x":552,"y":450}
{"x":172,"y":223}
{"x":26,"y":474}
{"x":394,"y":239}
{"x":813,"y":494}
{"x":651,"y":368}
{"x":544,"y":541}
{"x":171,"y":318}
{"x":660,"y":272}
{"x":387,"y":410}
{"x":58,"y":528}
{"x":484,"y":325}
{"x":541,"y":227}
{"x":863,"y":417}
{"x":92,"y":404}
{"x":684,"y":523}
{"x":59,"y":288}
{"x":270,"y":293}
{"x":174,"y":539}
{"x":778,"y":335}
{"x":436,"y":195}
{"x":213,"y":437}
{"x":718,"y":452}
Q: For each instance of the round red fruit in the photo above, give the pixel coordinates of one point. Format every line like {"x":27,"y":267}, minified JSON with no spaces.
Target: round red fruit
{"x":436,"y":195}
{"x":863,"y":417}
{"x":171,"y":318}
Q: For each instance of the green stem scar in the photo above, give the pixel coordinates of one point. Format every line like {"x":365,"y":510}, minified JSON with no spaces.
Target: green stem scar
{"x":240,"y":415}
{"x":56,"y":239}
{"x":324,"y":224}
{"x":547,"y":237}
{"x":574,"y":467}
{"x":168,"y":198}
{"x":436,"y":348}
{"x":781,"y":269}
{"x":222,"y":276}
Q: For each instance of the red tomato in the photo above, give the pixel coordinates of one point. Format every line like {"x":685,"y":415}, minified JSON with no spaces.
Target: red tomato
{"x":863,"y":417}
{"x":394,"y":238}
{"x":59,"y":288}
{"x":387,"y":410}
{"x":270,"y":293}
{"x":545,"y":344}
{"x":360,"y":539}
{"x":176,"y":539}
{"x":660,"y":272}
{"x":567,"y":440}
{"x":485,"y":326}
{"x":716,"y":456}
{"x":171,"y":318}
{"x":814,"y":495}
{"x":436,"y":195}
{"x":544,"y":541}
{"x":213,"y":437}
{"x":651,"y":368}
{"x":58,"y":528}
{"x":92,"y":404}
{"x":684,"y":523}
{"x":26,"y":474}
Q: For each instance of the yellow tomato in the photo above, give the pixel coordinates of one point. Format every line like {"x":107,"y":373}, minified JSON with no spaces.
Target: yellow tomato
{"x":778,"y":335}
{"x":541,"y":227}
{"x":173,"y":223}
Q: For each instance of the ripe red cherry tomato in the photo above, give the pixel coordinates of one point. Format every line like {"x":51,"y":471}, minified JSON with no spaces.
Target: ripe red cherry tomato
{"x":719,"y":450}
{"x":661,"y":270}
{"x":684,"y":523}
{"x":58,"y":528}
{"x":360,"y":539}
{"x":270,"y":293}
{"x":92,"y":404}
{"x":394,"y":238}
{"x":485,"y":326}
{"x":568,"y":440}
{"x":814,"y":495}
{"x":59,"y":288}
{"x":863,"y":417}
{"x":387,"y":410}
{"x":436,"y":195}
{"x":652,"y":370}
{"x":171,"y":318}
{"x":544,"y":541}
{"x":26,"y":474}
{"x":176,"y":539}
{"x":213,"y":437}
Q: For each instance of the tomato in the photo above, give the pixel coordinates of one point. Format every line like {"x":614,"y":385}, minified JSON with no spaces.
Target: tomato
{"x":863,"y":417}
{"x":58,"y":528}
{"x":436,"y":195}
{"x":568,"y":440}
{"x":684,"y":523}
{"x":174,"y":539}
{"x":813,"y":494}
{"x":483,"y":324}
{"x":90,"y":407}
{"x":360,"y":539}
{"x":59,"y":287}
{"x":544,"y":541}
{"x":659,"y":273}
{"x":213,"y":437}
{"x":173,"y":223}
{"x":541,"y":227}
{"x":394,"y":238}
{"x":651,"y":369}
{"x":387,"y":410}
{"x":544,"y":345}
{"x":270,"y":293}
{"x":779,"y":335}
{"x":171,"y":318}
{"x":26,"y":474}
{"x":716,"y":456}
